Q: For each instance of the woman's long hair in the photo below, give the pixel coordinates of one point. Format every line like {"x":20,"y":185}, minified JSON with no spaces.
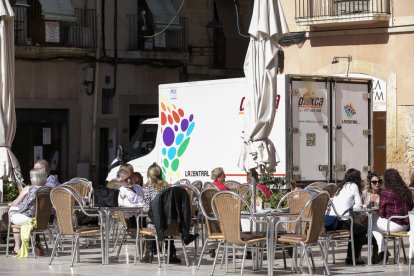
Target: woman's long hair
{"x":394,"y":181}
{"x":351,"y":175}
{"x":154,"y":175}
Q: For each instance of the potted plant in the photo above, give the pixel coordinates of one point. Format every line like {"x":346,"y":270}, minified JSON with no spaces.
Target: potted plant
{"x":10,"y":191}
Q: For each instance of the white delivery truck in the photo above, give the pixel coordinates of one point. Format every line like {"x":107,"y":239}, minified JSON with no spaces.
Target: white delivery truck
{"x":321,"y":128}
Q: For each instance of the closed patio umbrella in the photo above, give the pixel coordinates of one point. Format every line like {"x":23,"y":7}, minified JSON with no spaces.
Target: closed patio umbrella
{"x":267,"y":25}
{"x":8,"y":163}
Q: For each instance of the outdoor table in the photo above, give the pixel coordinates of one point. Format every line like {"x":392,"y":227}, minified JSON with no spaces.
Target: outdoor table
{"x":271,"y":241}
{"x":272,"y":216}
{"x":105,"y":214}
{"x":368,"y":212}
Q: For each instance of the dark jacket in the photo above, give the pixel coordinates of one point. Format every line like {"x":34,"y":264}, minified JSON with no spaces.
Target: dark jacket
{"x":171,"y":205}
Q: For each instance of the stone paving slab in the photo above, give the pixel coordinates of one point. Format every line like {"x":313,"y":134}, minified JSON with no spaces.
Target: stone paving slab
{"x":90,"y":265}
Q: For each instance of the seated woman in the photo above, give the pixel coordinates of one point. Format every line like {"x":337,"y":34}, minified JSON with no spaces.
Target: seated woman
{"x":137,"y":182}
{"x":152,"y":188}
{"x":371,"y":197}
{"x":26,"y":200}
{"x":371,"y":193}
{"x":128,"y":197}
{"x":347,"y":197}
{"x":218,"y":176}
{"x":395,"y":200}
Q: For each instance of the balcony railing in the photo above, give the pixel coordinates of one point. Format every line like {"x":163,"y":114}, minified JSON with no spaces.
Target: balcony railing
{"x":326,"y":11}
{"x":31,"y":30}
{"x":144,"y":36}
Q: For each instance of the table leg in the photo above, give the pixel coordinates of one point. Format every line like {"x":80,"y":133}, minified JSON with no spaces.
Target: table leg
{"x":369,"y":238}
{"x":270,"y":247}
{"x":108,"y":217}
{"x":103,"y":241}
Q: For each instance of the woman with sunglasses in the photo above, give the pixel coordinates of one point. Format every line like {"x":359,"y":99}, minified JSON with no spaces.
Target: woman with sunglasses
{"x":395,"y":200}
{"x":371,"y":197}
{"x":371,"y":193}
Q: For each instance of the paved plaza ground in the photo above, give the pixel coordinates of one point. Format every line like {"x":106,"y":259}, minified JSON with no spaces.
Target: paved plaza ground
{"x":90,"y":265}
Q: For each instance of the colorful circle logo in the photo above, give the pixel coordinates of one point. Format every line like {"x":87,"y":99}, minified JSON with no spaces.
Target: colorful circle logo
{"x":176,"y":129}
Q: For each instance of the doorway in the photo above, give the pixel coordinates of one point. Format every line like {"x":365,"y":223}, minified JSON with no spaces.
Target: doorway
{"x":42,"y":134}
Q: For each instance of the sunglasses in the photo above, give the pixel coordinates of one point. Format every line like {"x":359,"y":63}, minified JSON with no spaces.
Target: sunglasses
{"x":128,"y":179}
{"x":376,"y":181}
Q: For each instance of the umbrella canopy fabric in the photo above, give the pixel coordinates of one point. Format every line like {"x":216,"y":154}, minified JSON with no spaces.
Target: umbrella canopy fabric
{"x":267,"y":25}
{"x":8,"y":163}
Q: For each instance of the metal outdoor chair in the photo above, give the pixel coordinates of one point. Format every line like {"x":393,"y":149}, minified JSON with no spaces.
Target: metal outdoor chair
{"x":395,"y":237}
{"x":83,"y":187}
{"x":198,"y":184}
{"x":313,"y":214}
{"x":232,"y":185}
{"x":209,"y":185}
{"x":64,"y":199}
{"x":42,"y":216}
{"x":296,"y":201}
{"x":331,"y":237}
{"x":214,"y":232}
{"x":194,"y":196}
{"x":227,"y":207}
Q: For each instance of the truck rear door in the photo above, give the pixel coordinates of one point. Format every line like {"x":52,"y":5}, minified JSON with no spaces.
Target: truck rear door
{"x":351,"y":129}
{"x":310,"y":142}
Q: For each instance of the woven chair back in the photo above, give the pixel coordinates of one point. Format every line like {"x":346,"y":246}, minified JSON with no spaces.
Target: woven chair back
{"x":198,"y":184}
{"x":232,"y":185}
{"x":63,"y":201}
{"x":296,"y":200}
{"x":209,"y":185}
{"x":193,"y":195}
{"x":43,"y":208}
{"x":330,"y":188}
{"x":212,"y":223}
{"x":228,"y":210}
{"x":244,"y":190}
{"x":81,"y":185}
{"x":184,"y":181}
{"x":317,"y":210}
{"x":317,"y":185}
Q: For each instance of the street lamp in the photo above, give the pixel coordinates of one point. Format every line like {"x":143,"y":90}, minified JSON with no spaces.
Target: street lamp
{"x":336,"y":60}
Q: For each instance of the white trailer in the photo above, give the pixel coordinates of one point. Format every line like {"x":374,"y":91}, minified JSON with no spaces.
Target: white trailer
{"x":321,"y":128}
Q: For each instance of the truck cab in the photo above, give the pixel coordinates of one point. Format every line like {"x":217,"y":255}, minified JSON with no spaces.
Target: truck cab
{"x":142,"y":147}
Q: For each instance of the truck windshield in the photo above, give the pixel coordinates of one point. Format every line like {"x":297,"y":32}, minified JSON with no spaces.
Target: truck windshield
{"x":143,"y":141}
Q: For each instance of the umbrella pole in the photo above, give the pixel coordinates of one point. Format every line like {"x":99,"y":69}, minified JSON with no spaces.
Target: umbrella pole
{"x":253,"y":181}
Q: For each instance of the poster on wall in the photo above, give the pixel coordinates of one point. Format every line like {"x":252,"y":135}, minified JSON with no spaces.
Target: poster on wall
{"x":52,"y":33}
{"x":47,"y":136}
{"x":160,"y":40}
{"x":37,"y":153}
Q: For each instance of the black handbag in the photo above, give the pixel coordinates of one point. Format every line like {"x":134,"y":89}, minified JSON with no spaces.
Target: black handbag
{"x":105,"y":197}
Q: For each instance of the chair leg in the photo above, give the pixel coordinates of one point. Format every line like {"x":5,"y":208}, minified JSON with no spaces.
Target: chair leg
{"x":159,"y":251}
{"x":8,"y":239}
{"x":75,"y":250}
{"x":32,"y":241}
{"x":215,"y":258}
{"x":325,"y":261}
{"x":244,"y":259}
{"x":202,"y":252}
{"x":56,"y":243}
{"x":185,"y":252}
{"x":385,"y":250}
{"x":305,"y":250}
{"x":403,"y":249}
{"x":122,"y":237}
